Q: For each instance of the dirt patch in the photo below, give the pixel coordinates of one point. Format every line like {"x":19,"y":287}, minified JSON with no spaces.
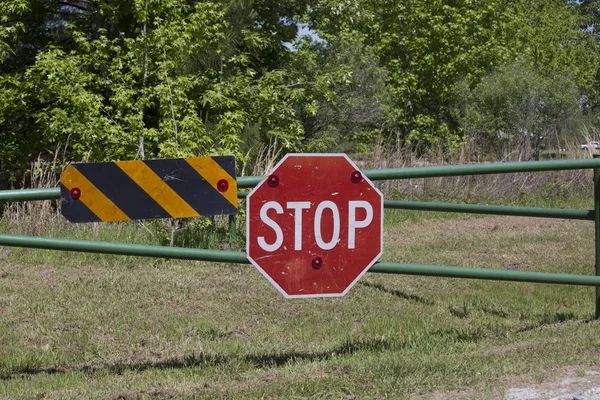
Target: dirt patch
{"x":571,"y":383}
{"x":168,"y":393}
{"x":568,"y":383}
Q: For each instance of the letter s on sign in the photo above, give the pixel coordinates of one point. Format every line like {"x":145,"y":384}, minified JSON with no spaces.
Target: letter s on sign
{"x":272,"y":224}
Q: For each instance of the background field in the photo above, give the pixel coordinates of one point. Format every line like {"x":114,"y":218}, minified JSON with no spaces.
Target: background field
{"x":78,"y":325}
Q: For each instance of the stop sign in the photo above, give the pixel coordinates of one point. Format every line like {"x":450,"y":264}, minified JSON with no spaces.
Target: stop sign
{"x":314,"y":225}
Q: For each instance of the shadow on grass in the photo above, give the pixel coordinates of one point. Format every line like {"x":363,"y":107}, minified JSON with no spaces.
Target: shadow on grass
{"x":397,"y":293}
{"x":348,"y":347}
{"x":552,"y":319}
{"x":495,"y":312}
{"x":441,"y":337}
{"x":467,"y":309}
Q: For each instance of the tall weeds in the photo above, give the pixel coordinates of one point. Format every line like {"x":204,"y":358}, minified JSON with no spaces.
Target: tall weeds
{"x":472,"y":187}
{"x":44,"y":217}
{"x":266,"y":158}
{"x":35,"y":217}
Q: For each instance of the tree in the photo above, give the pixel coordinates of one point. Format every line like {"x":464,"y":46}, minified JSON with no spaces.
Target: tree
{"x":424,"y":47}
{"x":148,"y":78}
{"x":353,"y":117}
{"x":552,"y":39}
{"x":515,"y":110}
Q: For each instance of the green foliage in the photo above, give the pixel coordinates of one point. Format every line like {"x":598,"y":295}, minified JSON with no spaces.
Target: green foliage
{"x":550,"y":39}
{"x":424,"y":47}
{"x":10,"y":26}
{"x":151,"y":78}
{"x":518,"y":107}
{"x":120,"y":79}
{"x":427,"y":48}
{"x":355,"y":116}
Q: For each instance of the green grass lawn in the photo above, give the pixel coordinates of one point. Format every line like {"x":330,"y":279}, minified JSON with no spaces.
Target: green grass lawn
{"x":92,"y":326}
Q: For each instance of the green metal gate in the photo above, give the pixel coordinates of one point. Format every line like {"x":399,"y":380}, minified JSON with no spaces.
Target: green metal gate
{"x":381,"y":267}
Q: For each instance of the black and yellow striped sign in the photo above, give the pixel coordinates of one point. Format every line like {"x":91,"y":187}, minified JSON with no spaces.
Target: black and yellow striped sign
{"x":129,"y":190}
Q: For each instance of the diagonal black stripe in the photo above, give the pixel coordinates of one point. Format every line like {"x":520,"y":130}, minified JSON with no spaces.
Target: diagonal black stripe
{"x":192,"y":187}
{"x":122,"y":190}
{"x":227,"y":163}
{"x":74,"y":210}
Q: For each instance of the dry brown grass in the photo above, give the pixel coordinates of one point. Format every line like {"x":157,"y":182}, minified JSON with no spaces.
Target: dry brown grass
{"x":35,"y":217}
{"x":475,"y":186}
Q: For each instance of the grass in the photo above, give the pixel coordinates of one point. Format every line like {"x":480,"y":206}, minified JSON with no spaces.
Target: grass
{"x":77,"y":325}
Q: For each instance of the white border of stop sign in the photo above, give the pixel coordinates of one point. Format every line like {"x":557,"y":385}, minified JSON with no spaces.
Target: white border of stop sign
{"x":295,"y":208}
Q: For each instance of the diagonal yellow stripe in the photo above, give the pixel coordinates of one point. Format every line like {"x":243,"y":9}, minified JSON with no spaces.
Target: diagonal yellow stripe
{"x":93,"y":198}
{"x":212,"y":172}
{"x":162,"y":193}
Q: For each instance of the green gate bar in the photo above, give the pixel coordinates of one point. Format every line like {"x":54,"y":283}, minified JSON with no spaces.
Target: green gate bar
{"x":124,"y":249}
{"x":30,"y":194}
{"x":597,"y":230}
{"x":378,"y":174}
{"x":90,"y":246}
{"x":385,"y":267}
{"x":459,"y":170}
{"x":586,"y":215}
{"x":482,"y":169}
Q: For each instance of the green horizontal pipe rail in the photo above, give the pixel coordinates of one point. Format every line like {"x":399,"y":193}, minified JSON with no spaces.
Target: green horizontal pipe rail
{"x":561,"y":213}
{"x":456,"y":170}
{"x":586,"y":215}
{"x":90,"y":246}
{"x":29,"y":194}
{"x":484,"y":273}
{"x":124,"y":249}
{"x":47,"y":194}
{"x":378,"y":174}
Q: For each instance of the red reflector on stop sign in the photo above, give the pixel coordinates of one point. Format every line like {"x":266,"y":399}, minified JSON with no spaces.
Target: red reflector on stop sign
{"x":319,"y":229}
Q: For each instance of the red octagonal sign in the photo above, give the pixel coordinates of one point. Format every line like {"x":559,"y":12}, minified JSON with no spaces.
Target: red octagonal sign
{"x":314,"y":225}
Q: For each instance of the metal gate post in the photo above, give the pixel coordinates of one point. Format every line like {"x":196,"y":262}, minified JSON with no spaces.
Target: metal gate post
{"x":597,"y":231}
